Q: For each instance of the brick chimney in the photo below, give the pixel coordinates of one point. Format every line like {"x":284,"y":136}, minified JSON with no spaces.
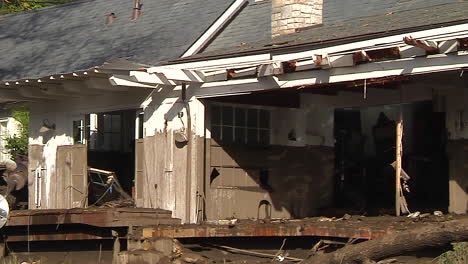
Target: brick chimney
{"x":288,"y":15}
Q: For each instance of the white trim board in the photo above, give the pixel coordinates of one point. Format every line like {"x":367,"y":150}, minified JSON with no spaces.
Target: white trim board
{"x":214,"y":28}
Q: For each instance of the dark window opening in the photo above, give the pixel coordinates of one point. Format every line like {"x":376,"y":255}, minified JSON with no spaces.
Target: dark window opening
{"x":236,"y":125}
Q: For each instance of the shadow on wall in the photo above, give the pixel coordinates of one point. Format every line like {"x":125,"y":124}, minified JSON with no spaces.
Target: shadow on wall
{"x":297,"y":181}
{"x":458,"y":182}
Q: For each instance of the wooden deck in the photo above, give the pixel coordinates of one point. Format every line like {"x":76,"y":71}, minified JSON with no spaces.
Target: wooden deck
{"x":355,"y":227}
{"x":140,"y":224}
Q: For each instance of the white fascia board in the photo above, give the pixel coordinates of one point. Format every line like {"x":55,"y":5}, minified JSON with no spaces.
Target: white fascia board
{"x":215,"y":28}
{"x":225,"y":63}
{"x":409,"y":66}
{"x":376,"y":43}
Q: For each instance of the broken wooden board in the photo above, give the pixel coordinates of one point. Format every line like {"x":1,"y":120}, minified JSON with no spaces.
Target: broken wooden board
{"x":101,"y":217}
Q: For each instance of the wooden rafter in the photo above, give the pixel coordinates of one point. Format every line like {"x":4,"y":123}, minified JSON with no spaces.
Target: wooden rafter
{"x":429,"y":47}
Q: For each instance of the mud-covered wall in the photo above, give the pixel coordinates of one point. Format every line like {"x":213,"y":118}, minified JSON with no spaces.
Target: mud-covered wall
{"x":451,"y":97}
{"x":174,"y":132}
{"x":295,"y":174}
{"x":458,"y":181}
{"x":292,"y":182}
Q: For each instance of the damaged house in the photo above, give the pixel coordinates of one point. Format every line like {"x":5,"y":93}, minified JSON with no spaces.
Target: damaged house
{"x":307,"y":123}
{"x":245,"y":109}
{"x":285,"y":128}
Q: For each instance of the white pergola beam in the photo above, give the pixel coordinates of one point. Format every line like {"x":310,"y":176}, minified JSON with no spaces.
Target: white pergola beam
{"x":150,"y":78}
{"x":270,"y":69}
{"x":181,"y":75}
{"x":403,"y":67}
{"x":448,"y":46}
{"x":214,"y":76}
{"x":127,"y":81}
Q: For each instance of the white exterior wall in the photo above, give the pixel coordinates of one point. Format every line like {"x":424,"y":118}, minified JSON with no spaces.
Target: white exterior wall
{"x":62,"y":113}
{"x":159,"y":112}
{"x":156,"y":108}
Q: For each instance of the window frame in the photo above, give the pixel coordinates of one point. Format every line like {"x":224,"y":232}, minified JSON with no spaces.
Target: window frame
{"x":246,"y":127}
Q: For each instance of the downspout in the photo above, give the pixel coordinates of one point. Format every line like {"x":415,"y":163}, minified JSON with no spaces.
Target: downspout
{"x":189,"y":152}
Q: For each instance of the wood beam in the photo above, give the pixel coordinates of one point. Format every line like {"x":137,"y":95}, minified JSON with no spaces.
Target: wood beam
{"x":429,"y":46}
{"x":242,"y":73}
{"x":178,"y":74}
{"x":448,"y":46}
{"x":341,"y":61}
{"x":148,"y":78}
{"x":270,"y":69}
{"x":398,"y":154}
{"x":215,"y":76}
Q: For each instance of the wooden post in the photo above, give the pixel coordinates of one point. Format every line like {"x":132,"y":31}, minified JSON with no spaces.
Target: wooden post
{"x":399,"y":150}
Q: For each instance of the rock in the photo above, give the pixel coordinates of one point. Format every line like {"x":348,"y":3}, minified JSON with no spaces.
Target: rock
{"x":190,"y":257}
{"x":424,"y":215}
{"x":438,"y":213}
{"x":414,"y":215}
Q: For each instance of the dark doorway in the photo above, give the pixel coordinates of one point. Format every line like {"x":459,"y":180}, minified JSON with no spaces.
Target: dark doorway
{"x":111,"y":145}
{"x":365,"y":149}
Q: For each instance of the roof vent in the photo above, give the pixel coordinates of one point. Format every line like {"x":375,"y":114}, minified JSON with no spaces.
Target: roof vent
{"x":110,"y":18}
{"x":137,"y":6}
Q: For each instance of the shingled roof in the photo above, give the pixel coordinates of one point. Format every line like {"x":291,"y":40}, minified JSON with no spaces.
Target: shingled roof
{"x":70,"y":37}
{"x":351,"y":30}
{"x":336,"y":11}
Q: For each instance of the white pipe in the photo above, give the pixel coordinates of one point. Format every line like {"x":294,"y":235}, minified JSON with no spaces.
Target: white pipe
{"x":38,"y":187}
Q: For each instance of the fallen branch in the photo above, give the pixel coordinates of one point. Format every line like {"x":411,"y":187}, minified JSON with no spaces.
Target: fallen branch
{"x":430,"y":236}
{"x":253,"y":253}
